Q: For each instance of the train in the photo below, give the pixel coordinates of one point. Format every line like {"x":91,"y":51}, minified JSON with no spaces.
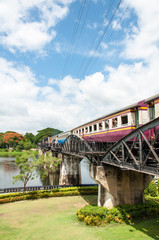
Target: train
{"x":115,"y":125}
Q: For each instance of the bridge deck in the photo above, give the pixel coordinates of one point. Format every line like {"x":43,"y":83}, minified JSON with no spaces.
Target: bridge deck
{"x":138,"y":151}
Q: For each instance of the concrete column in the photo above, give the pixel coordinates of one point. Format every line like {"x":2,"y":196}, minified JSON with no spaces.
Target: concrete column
{"x":70,"y":170}
{"x":118,"y":186}
{"x":40,"y":151}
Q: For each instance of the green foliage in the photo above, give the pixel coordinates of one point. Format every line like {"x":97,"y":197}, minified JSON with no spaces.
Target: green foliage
{"x":29,"y":137}
{"x":26,"y":163}
{"x":151,"y":189}
{"x":20,"y":146}
{"x":27,"y":145}
{"x":93,"y":211}
{"x":47,"y":132}
{"x":60,"y":192}
{"x":122,"y":213}
{"x":94,"y":221}
{"x":47,"y":163}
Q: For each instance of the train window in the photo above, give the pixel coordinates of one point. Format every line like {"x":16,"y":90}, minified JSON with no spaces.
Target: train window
{"x":90,"y":128}
{"x":77,"y":131}
{"x":107,"y":123}
{"x":124,"y":119}
{"x":95,"y":127}
{"x":151,"y":112}
{"x":80,"y":132}
{"x":100,"y":126}
{"x":114,"y":122}
{"x":86,"y":129}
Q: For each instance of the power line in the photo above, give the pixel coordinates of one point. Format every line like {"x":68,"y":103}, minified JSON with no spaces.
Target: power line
{"x":100,"y":40}
{"x":74,"y":36}
{"x":97,"y":45}
{"x":80,"y":34}
{"x":100,"y":28}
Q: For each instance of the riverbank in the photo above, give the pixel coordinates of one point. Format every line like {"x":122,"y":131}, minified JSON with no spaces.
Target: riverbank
{"x":11,"y":153}
{"x":55,"y":218}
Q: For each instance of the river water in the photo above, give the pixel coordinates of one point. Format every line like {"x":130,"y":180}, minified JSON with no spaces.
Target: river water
{"x":8,"y":169}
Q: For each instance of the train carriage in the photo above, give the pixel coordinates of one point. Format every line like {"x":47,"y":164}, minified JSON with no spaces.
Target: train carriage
{"x":60,"y":138}
{"x":114,"y":126}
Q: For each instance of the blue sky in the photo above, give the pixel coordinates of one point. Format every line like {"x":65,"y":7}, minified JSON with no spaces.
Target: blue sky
{"x":66,"y":62}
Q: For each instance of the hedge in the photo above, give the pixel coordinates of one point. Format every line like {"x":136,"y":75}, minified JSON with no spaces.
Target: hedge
{"x":95,"y":216}
{"x":60,"y":192}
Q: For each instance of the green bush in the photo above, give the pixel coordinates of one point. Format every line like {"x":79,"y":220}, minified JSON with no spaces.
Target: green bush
{"x":60,"y":192}
{"x":151,"y":189}
{"x":94,"y":221}
{"x":90,"y":210}
{"x":121,"y":213}
{"x":5,"y":150}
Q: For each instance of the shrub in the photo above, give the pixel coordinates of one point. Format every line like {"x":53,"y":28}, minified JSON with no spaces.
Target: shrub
{"x":90,"y":210}
{"x":121,"y":213}
{"x":94,"y":221}
{"x":151,"y":189}
{"x":71,"y":191}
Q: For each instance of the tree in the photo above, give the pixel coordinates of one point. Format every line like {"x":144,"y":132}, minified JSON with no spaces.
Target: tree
{"x":27,"y":164}
{"x":47,"y":132}
{"x":46,"y":164}
{"x":2,"y":145}
{"x":27,"y":145}
{"x":151,"y":189}
{"x":11,"y":139}
{"x":29,"y":137}
{"x":20,"y":145}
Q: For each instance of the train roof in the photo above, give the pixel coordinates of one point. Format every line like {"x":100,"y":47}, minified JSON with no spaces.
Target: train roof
{"x":137,"y":104}
{"x":152,"y":98}
{"x":61,"y":134}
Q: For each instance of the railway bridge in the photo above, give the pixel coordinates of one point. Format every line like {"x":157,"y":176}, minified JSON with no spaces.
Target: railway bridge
{"x":122,"y":169}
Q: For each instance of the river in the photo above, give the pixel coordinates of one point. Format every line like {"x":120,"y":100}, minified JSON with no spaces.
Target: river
{"x":8,"y":169}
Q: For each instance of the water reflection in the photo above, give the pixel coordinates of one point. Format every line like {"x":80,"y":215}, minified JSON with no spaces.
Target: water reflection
{"x":8,"y":165}
{"x":85,"y":178}
{"x":8,"y":169}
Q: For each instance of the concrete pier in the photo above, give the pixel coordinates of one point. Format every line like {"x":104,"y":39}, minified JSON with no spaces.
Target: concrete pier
{"x":70,"y":170}
{"x":118,"y":186}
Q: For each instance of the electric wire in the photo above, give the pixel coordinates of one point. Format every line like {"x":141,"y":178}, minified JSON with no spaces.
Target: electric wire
{"x":80,"y":34}
{"x":73,"y":37}
{"x":97,"y":45}
{"x":106,"y":13}
{"x":100,"y":40}
{"x":118,"y":22}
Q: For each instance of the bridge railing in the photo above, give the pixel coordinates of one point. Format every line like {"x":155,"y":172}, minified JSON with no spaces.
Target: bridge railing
{"x":34,"y":188}
{"x":139,"y":150}
{"x":56,"y":145}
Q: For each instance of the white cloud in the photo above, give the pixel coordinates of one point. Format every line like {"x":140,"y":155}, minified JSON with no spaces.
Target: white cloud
{"x":104,"y":45}
{"x":24,"y":31}
{"x":142,"y":42}
{"x":92,"y":26}
{"x":116,"y":25}
{"x":26,"y":107}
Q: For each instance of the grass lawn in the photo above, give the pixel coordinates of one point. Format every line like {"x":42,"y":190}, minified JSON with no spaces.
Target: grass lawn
{"x":55,"y":218}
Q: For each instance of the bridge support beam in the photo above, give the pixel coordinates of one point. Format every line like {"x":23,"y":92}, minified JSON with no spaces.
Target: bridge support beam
{"x":118,"y":186}
{"x":41,"y":151}
{"x":70,"y":170}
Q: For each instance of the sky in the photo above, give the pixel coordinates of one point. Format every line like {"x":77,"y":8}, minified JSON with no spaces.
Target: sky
{"x":66,"y":62}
